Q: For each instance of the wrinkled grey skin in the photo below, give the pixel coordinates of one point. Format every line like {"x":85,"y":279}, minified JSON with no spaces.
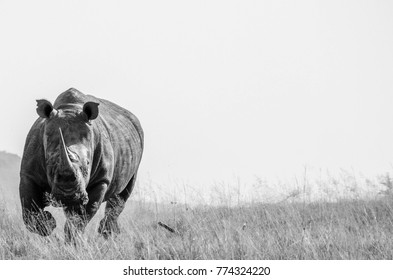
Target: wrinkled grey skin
{"x":80,"y":152}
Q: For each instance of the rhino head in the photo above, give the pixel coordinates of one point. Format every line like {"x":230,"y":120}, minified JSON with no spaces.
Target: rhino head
{"x":69,"y":145}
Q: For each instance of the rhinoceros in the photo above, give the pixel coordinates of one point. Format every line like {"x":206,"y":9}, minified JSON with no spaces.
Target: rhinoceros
{"x":80,"y":152}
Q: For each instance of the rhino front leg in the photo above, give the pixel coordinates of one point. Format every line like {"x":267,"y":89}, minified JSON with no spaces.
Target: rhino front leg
{"x":75,"y":223}
{"x":79,"y":216}
{"x":114,"y":206}
{"x":108,"y":225}
{"x":35,"y":218}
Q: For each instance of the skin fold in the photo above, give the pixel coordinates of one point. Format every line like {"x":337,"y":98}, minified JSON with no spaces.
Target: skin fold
{"x":80,"y":152}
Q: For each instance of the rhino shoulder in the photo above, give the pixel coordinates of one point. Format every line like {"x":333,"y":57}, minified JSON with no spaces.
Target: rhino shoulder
{"x":33,"y":160}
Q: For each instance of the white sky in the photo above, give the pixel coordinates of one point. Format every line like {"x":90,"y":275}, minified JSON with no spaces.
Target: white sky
{"x":222,"y":88}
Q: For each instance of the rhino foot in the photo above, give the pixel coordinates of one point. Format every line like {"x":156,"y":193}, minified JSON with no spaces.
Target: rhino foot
{"x":73,"y":228}
{"x":108,"y":227}
{"x":42,"y":223}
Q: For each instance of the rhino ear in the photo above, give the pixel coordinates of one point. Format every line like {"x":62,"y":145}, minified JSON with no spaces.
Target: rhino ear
{"x":91,"y":110}
{"x":44,"y":108}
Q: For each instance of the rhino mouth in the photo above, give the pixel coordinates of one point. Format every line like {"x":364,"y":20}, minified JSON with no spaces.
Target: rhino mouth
{"x":59,"y":199}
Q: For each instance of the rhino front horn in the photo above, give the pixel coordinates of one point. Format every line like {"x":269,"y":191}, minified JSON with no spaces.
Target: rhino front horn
{"x":65,"y":161}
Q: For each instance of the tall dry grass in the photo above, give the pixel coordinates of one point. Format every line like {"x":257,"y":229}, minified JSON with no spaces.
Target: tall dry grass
{"x":331,"y":217}
{"x":352,"y":229}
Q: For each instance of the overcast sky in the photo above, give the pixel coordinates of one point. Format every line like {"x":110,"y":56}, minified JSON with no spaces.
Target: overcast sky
{"x":222,"y":88}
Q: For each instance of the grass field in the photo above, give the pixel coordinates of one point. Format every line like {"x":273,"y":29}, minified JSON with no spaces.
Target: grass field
{"x":299,"y":224}
{"x":341,"y":230}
